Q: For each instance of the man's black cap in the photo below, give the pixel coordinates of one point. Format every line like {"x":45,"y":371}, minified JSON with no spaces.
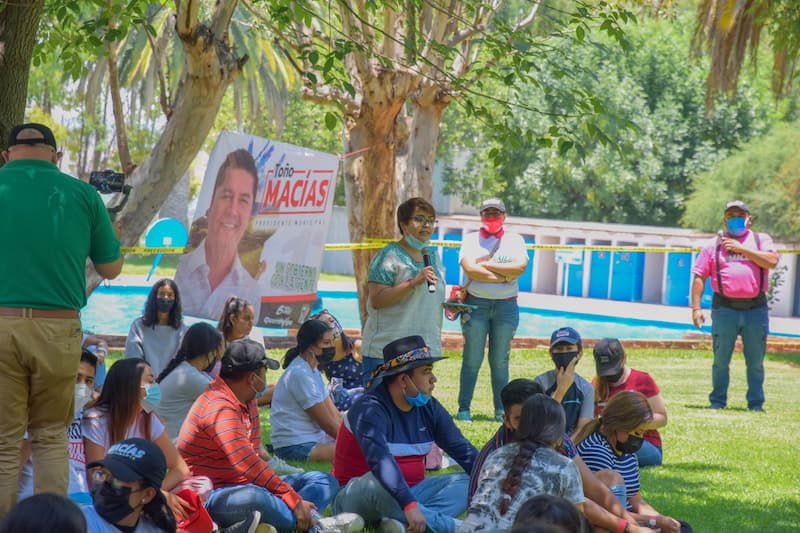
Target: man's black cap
{"x":47,"y":135}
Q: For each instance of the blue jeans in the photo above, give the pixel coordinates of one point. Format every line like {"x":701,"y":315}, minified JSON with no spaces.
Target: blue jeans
{"x":368,"y":364}
{"x":440,"y":500}
{"x":753,"y":326}
{"x":229,"y":505}
{"x":295,"y":452}
{"x":497,"y":319}
{"x":649,"y":455}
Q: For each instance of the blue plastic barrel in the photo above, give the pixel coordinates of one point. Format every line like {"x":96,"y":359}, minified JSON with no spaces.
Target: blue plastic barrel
{"x":598,"y":276}
{"x":572,"y":280}
{"x":679,"y":279}
{"x":452,"y":269}
{"x":526,"y":279}
{"x":627,"y":276}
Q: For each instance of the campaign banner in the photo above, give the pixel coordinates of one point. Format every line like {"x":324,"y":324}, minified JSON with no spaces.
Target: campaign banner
{"x":259,"y":230}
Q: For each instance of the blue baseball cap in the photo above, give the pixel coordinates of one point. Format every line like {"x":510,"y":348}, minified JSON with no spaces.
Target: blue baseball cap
{"x":568,"y":335}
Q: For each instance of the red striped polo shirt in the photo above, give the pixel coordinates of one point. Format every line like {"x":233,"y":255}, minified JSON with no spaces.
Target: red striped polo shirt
{"x":220,"y":438}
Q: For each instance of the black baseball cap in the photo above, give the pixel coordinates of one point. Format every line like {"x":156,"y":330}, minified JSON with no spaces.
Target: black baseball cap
{"x":135,"y":460}
{"x":246,"y":354}
{"x":493,"y":203}
{"x":568,"y":335}
{"x":608,"y":357}
{"x":47,"y":135}
{"x":737,"y":204}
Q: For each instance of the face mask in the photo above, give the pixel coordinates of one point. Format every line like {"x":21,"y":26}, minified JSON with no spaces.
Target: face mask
{"x":210,"y":366}
{"x":164,"y":305}
{"x":110,"y":503}
{"x":414,"y":242}
{"x":152,"y":397}
{"x":562,"y":359}
{"x":326,"y":356}
{"x":492,"y":225}
{"x":737,"y":226}
{"x":260,"y":393}
{"x":632,"y":445}
{"x":419,"y":400}
{"x":615,"y":377}
{"x":82,"y":395}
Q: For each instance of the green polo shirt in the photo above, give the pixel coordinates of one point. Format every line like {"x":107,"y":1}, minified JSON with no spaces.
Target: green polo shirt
{"x":50,"y":223}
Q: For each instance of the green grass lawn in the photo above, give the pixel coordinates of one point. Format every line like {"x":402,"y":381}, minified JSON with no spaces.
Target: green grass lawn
{"x":728,"y":471}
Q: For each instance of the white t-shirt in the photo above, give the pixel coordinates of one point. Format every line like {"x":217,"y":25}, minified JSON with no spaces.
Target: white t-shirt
{"x":512,"y":248}
{"x":179,"y":390}
{"x":95,"y":427}
{"x":299,"y":388}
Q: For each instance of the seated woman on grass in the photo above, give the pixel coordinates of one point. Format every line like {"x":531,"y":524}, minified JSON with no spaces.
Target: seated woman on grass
{"x":610,"y":442}
{"x":304,"y":419}
{"x":528,"y":467}
{"x":344,"y":371}
{"x":124,"y":410}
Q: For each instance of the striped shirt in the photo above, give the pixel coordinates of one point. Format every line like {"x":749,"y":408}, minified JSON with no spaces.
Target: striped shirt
{"x":597,"y":453}
{"x":221,"y":438}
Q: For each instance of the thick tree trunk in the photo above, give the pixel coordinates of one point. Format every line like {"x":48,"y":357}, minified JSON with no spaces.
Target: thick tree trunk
{"x":428,"y":106}
{"x":209,"y":70}
{"x":19,"y":22}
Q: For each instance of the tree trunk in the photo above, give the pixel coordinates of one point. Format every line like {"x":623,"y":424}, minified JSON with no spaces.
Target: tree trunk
{"x":209,"y":69}
{"x":19,"y":22}
{"x":123,"y":151}
{"x":428,"y":106}
{"x":177,"y":203}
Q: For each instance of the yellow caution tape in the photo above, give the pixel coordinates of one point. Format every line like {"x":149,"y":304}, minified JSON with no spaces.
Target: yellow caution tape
{"x":374,"y":244}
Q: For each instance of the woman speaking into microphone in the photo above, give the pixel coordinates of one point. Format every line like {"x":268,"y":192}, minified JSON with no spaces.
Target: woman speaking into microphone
{"x":405,"y":288}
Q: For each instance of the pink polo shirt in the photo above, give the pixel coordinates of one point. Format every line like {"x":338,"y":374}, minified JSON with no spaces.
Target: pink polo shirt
{"x":739,"y":274}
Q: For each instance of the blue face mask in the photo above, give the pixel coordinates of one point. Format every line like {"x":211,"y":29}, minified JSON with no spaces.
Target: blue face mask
{"x":419,"y":400}
{"x":152,"y":396}
{"x":414,"y":242}
{"x":260,"y":393}
{"x":737,"y":226}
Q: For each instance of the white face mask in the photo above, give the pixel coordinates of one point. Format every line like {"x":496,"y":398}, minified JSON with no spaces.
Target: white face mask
{"x":82,"y":396}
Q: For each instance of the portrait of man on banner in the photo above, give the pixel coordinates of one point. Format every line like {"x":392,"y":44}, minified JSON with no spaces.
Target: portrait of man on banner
{"x":261,"y":221}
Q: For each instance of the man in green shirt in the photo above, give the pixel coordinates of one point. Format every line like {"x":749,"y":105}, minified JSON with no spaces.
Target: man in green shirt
{"x":50,"y":223}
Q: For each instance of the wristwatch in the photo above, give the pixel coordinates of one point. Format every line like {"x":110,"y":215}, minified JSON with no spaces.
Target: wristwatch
{"x":651,"y":522}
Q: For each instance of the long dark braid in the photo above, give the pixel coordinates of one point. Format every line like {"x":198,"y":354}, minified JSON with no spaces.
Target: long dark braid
{"x":541,"y":425}
{"x":200,"y":340}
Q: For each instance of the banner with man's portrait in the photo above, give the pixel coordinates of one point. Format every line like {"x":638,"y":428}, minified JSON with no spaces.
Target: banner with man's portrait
{"x":259,"y":230}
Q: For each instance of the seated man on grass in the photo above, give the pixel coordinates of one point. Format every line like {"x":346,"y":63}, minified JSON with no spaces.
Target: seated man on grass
{"x":602,"y":508}
{"x":381,"y":448}
{"x":221,"y":439}
{"x":563,"y":384}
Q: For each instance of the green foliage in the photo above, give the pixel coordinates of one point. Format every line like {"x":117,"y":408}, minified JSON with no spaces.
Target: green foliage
{"x":616,"y":136}
{"x":765,"y":173}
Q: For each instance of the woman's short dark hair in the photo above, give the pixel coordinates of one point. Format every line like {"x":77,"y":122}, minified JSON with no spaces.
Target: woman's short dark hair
{"x":150,"y":315}
{"x":548,"y":511}
{"x":406,"y":210}
{"x":308,"y":335}
{"x":44,"y":512}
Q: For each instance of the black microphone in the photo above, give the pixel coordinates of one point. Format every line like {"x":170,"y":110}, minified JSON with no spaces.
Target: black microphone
{"x":426,"y":258}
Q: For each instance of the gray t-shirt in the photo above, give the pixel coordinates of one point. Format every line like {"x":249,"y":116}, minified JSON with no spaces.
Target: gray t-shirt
{"x":419,"y":313}
{"x":578,"y":402}
{"x":299,"y":388}
{"x":157,"y":345}
{"x":179,"y":390}
{"x":549,"y":472}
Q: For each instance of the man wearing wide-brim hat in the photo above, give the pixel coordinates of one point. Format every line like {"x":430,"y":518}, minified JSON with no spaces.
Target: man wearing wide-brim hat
{"x":381,"y":448}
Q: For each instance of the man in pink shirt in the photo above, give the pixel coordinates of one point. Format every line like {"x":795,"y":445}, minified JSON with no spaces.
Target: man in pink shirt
{"x":738,"y":262}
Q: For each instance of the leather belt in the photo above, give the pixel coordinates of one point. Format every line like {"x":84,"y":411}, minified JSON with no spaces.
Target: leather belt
{"x":30,"y":312}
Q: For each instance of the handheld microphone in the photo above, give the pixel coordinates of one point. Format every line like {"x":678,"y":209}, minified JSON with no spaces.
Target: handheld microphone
{"x":426,"y":258}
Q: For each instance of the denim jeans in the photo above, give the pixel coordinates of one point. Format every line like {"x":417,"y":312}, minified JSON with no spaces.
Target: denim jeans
{"x":497,"y":319}
{"x":649,"y":455}
{"x":295,"y":452}
{"x":229,"y":505}
{"x":753,"y":326}
{"x":439,"y":498}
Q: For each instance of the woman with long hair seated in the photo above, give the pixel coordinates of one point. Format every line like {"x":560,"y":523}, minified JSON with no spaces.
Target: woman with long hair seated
{"x":186,"y":375}
{"x":156,"y":335}
{"x":610,"y":442}
{"x":528,"y":467}
{"x":344,"y":371}
{"x":304,"y":419}
{"x":124,"y":410}
{"x":126,"y":490}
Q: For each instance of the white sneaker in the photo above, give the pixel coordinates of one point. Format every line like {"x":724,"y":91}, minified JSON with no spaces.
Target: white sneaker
{"x":390,"y":525}
{"x":282,"y":468}
{"x":340,"y":523}
{"x":249,"y":525}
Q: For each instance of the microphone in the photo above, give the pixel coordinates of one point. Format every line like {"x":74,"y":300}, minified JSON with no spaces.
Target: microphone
{"x":426,"y":258}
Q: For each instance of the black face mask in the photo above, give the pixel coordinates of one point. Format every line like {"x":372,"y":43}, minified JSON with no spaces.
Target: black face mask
{"x":632,"y":445}
{"x":562,"y":359}
{"x":326,"y":356}
{"x":615,"y":377}
{"x":110,"y":503}
{"x":164,"y":305}
{"x":210,"y":366}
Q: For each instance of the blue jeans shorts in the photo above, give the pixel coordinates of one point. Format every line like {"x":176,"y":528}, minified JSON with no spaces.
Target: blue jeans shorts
{"x":296,"y":452}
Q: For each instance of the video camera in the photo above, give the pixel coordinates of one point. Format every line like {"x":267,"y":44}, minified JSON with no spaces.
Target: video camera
{"x":109,"y":182}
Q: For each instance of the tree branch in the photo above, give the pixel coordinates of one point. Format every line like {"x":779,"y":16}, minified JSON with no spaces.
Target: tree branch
{"x":162,"y":84}
{"x":186,"y":21}
{"x":221,"y":19}
{"x":330,"y":95}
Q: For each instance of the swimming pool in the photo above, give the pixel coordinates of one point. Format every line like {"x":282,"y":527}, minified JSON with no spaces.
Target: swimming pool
{"x":112,"y":309}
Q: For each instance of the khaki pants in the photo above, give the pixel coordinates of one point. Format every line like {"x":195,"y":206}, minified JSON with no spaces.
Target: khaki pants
{"x":39,"y":360}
